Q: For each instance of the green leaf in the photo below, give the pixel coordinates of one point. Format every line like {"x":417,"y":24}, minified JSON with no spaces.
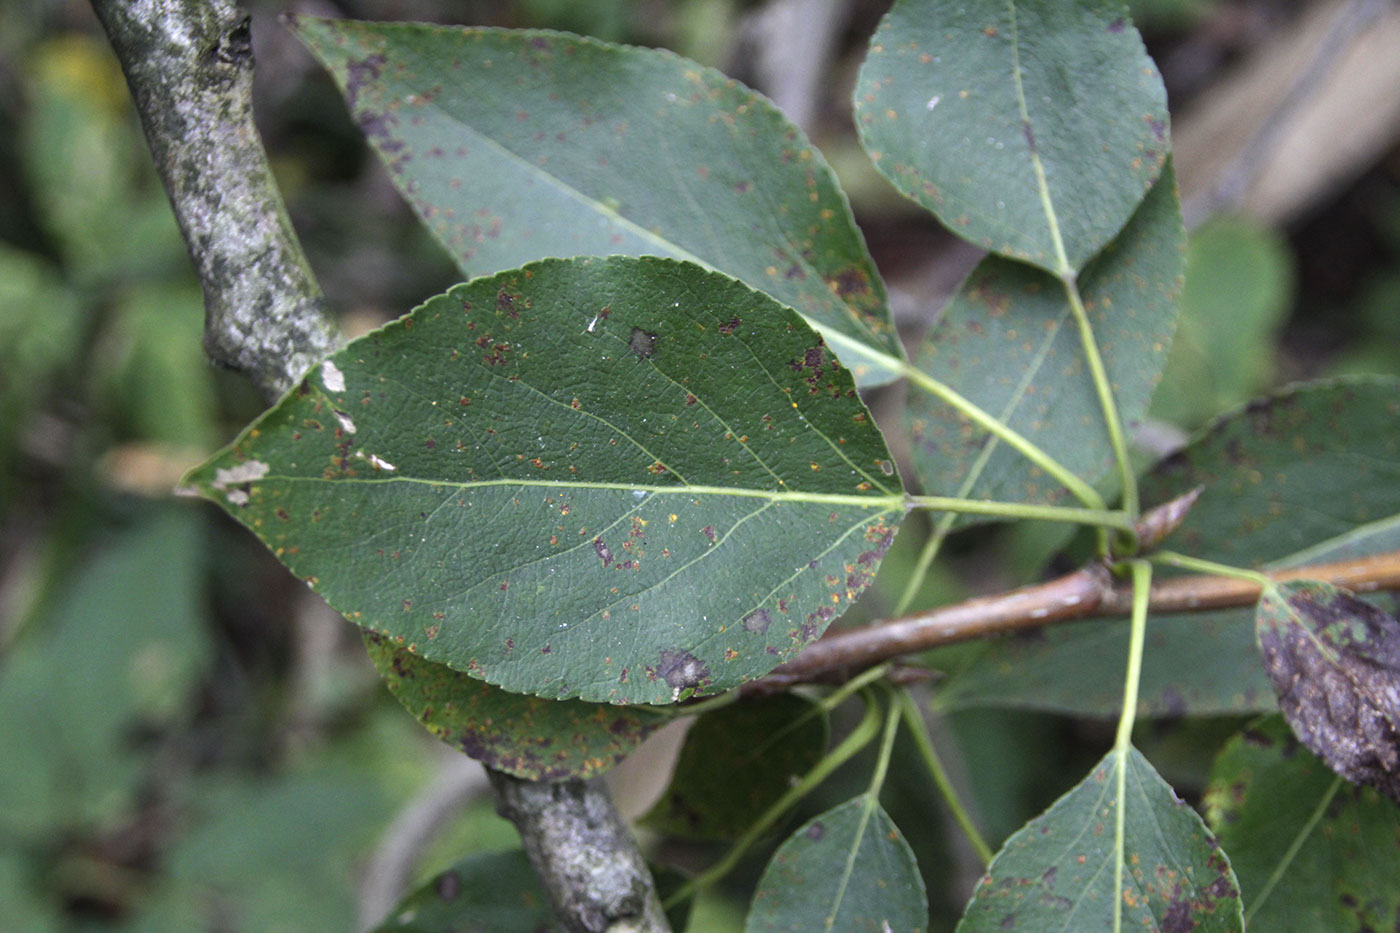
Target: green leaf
{"x":1334,"y":662}
{"x":847,"y":869}
{"x":1331,"y":447}
{"x":1312,"y":852}
{"x":622,"y":480}
{"x":118,"y":654}
{"x":1238,"y":290}
{"x":520,"y":145}
{"x":1057,"y":872}
{"x":1032,"y":129}
{"x":479,"y":894}
{"x":1008,"y":342}
{"x":737,"y":762}
{"x":1303,"y":469}
{"x":532,"y":738}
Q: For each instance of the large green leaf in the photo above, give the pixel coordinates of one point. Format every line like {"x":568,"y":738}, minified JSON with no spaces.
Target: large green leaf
{"x":532,"y":738}
{"x":1312,"y":852}
{"x":1031,"y":127}
{"x":847,"y":869}
{"x":736,"y":763}
{"x":1057,"y":872}
{"x":520,"y":145}
{"x":621,"y":480}
{"x":1311,"y":474}
{"x":1009,"y":343}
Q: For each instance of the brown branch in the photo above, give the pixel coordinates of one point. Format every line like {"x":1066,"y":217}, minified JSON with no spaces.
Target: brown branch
{"x":1087,"y":593}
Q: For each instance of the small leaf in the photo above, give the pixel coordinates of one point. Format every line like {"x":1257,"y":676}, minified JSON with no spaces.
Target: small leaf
{"x":1264,"y":792}
{"x":1335,"y":663}
{"x":621,"y":480}
{"x":1033,"y":129}
{"x":1057,"y":872}
{"x":1008,"y":342}
{"x":517,"y":145}
{"x":737,"y":762}
{"x":479,"y":894}
{"x":848,"y":869}
{"x":529,"y":737}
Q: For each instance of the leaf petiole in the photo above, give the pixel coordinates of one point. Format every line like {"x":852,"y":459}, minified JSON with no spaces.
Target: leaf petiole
{"x":1123,"y":741}
{"x":913,"y":718}
{"x":1186,"y":562}
{"x":859,"y":737}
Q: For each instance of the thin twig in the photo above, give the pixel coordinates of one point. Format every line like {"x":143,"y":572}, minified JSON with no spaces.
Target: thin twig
{"x":1087,"y":593}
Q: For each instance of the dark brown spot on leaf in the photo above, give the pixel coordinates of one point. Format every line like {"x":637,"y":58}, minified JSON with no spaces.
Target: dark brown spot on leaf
{"x":601,"y":549}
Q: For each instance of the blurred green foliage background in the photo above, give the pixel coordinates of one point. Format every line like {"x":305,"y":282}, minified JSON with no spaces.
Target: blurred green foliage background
{"x":188,"y":740}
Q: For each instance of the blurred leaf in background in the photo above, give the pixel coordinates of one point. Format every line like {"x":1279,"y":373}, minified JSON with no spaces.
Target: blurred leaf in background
{"x":1239,"y":289}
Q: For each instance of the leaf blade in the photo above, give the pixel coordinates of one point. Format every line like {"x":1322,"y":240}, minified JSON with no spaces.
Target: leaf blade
{"x":796,"y":890}
{"x":1008,"y":343}
{"x":735,"y":763}
{"x":979,"y":114}
{"x":1057,"y":871}
{"x":1264,"y":790}
{"x":618,"y":480}
{"x":516,"y":145}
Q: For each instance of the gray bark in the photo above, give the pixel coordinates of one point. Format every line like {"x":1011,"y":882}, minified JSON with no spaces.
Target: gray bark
{"x":583,"y":853}
{"x":189,"y":64}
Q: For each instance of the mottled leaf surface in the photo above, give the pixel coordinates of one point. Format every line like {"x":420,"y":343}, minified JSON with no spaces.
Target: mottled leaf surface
{"x":1057,"y":872}
{"x":530,"y":737}
{"x":621,"y":480}
{"x":735,"y":763}
{"x":1309,"y":475}
{"x":1032,"y":129}
{"x":1009,"y":343}
{"x":518,"y":145}
{"x":1264,"y":791}
{"x":847,"y":869}
{"x":1334,"y":662}
{"x":479,"y":894}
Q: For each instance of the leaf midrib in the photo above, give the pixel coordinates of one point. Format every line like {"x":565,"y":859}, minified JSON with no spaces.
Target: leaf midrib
{"x":886,"y":502}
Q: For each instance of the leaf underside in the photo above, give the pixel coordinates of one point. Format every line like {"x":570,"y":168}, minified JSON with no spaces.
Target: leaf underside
{"x":621,"y":480}
{"x":527,"y":736}
{"x":518,"y":145}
